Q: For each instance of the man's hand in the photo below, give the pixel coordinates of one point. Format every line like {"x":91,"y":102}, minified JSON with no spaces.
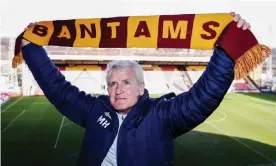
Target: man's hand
{"x":241,"y":22}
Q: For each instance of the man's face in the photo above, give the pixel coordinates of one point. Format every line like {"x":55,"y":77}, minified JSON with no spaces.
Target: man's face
{"x":123,"y":89}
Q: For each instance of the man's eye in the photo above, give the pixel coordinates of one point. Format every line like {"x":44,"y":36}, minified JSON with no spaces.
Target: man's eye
{"x":112,"y":84}
{"x":127,"y":82}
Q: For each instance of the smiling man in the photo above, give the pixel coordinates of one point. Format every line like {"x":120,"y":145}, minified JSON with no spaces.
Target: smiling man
{"x":127,"y":127}
{"x":125,"y":84}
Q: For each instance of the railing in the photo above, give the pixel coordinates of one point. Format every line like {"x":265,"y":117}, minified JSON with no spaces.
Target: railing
{"x":129,"y":52}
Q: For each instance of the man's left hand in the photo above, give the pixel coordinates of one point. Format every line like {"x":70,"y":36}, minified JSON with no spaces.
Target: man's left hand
{"x":240,"y":22}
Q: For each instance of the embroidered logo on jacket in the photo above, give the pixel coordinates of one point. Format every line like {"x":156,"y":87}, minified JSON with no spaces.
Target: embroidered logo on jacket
{"x":103,"y":121}
{"x":108,"y":115}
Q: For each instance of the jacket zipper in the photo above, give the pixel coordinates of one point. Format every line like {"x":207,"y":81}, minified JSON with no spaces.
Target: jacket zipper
{"x":114,"y":133}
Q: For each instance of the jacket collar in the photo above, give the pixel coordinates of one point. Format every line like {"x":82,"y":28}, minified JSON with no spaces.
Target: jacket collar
{"x":139,"y":110}
{"x":136,"y":112}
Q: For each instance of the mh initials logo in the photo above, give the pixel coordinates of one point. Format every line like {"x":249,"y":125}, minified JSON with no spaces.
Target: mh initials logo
{"x":104,"y":122}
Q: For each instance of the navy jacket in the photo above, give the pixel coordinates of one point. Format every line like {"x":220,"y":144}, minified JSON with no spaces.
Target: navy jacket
{"x":146,"y":137}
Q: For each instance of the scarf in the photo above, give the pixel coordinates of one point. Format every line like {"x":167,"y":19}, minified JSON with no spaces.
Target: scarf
{"x":184,"y":31}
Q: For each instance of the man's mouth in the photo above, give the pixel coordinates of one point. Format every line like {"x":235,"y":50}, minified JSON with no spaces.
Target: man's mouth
{"x":119,"y":99}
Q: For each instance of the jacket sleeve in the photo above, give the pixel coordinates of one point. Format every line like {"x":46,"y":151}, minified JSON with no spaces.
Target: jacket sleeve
{"x":187,"y":110}
{"x":68,"y":99}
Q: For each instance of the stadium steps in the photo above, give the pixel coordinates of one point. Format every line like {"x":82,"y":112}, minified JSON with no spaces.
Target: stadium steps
{"x":185,"y":75}
{"x":253,"y":83}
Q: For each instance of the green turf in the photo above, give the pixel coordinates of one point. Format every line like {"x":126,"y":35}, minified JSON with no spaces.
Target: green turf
{"x":241,"y":132}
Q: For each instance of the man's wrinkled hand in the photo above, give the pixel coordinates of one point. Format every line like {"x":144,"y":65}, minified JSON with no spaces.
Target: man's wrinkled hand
{"x":241,"y":23}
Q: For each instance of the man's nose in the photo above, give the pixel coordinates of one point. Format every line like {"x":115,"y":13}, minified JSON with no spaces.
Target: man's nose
{"x":119,"y":89}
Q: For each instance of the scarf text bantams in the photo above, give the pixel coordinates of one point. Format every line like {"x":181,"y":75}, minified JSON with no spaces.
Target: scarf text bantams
{"x":164,"y":31}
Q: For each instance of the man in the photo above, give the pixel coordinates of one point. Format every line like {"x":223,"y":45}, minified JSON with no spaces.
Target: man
{"x":127,"y":127}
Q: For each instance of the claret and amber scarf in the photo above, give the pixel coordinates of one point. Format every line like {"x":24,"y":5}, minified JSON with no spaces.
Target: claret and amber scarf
{"x":187,"y":31}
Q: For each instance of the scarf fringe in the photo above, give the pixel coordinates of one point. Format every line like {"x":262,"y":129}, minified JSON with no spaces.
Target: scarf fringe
{"x":250,"y":60}
{"x":17,"y":60}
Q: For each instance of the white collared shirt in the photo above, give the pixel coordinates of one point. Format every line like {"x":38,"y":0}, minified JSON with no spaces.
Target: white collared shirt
{"x":111,"y":156}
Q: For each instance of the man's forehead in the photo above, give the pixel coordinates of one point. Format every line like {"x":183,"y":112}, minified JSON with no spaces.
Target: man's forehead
{"x":122,"y":74}
{"x":122,"y":71}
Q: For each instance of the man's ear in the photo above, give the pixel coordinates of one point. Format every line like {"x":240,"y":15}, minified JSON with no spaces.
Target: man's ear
{"x":141,"y":89}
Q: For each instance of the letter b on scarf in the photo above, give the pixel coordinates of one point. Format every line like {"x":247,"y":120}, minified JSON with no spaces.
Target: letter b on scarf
{"x":40,"y":30}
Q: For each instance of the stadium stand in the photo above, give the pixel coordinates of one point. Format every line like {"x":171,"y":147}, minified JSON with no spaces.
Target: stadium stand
{"x":245,"y":85}
{"x":158,"y":78}
{"x":88,"y":78}
{"x":165,"y":70}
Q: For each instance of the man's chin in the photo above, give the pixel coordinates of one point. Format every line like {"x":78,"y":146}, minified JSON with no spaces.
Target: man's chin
{"x":122,"y":108}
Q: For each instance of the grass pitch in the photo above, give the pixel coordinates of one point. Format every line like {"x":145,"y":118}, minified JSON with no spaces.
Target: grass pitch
{"x":241,"y":132}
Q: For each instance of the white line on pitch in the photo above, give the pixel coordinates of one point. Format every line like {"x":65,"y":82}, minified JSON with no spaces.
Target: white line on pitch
{"x":12,"y":105}
{"x":59,"y":132}
{"x":219,"y":120}
{"x":237,"y":140}
{"x":67,"y":124}
{"x":14,"y":120}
